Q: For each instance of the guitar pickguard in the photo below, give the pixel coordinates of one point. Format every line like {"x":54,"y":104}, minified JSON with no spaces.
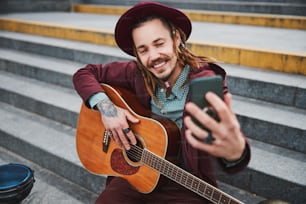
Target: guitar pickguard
{"x":119,"y":164}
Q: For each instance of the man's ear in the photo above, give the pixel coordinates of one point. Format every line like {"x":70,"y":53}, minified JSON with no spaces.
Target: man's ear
{"x":177,"y":38}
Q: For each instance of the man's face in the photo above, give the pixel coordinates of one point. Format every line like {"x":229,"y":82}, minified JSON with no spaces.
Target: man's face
{"x":154,"y":46}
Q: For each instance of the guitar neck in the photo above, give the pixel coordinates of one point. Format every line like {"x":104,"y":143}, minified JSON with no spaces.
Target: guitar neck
{"x":186,"y":179}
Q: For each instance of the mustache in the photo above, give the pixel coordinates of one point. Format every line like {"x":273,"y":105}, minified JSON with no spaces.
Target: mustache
{"x":158,"y":60}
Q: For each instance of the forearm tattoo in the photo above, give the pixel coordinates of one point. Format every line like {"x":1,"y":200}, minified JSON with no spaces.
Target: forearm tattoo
{"x":107,"y":108}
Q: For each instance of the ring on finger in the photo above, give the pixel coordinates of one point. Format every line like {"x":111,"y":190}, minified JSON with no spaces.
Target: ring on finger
{"x":126,"y":130}
{"x":209,"y":139}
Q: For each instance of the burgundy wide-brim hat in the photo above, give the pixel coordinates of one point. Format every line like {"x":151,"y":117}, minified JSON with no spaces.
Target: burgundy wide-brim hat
{"x":123,"y":35}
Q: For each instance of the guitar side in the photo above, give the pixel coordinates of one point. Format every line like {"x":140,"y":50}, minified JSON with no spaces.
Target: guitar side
{"x":156,"y":135}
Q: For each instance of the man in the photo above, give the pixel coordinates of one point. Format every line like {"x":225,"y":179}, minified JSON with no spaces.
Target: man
{"x":156,"y":35}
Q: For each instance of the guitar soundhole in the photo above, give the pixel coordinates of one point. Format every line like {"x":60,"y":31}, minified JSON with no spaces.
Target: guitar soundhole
{"x":135,"y":152}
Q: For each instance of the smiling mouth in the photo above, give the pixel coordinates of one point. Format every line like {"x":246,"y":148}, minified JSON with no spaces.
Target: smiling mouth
{"x":159,"y":65}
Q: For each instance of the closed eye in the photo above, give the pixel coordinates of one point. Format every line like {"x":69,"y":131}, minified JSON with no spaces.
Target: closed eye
{"x":159,"y":43}
{"x":142,"y":50}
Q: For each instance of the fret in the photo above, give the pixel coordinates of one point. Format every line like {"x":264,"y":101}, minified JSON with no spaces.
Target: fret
{"x":192,"y":180}
{"x":143,"y":157}
{"x":166,"y":168}
{"x":184,"y":180}
{"x":158,"y":164}
{"x":195,"y":184}
{"x":162,"y":167}
{"x":225,"y":199}
{"x":189,"y":181}
{"x":176,"y":172}
{"x":208,"y":191}
{"x":180,"y":175}
{"x":202,"y":188}
{"x":154,"y":163}
{"x":216,"y":195}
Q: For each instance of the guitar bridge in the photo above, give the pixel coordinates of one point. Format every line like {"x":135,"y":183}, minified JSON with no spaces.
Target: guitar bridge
{"x":106,"y":140}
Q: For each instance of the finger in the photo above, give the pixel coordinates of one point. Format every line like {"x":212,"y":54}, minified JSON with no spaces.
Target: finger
{"x":129,"y":133}
{"x":228,"y":101}
{"x":116,"y":137}
{"x":131,"y":117}
{"x":123,"y":139}
{"x":223,"y":111}
{"x":196,"y":130}
{"x":198,"y":144}
{"x":201,"y":116}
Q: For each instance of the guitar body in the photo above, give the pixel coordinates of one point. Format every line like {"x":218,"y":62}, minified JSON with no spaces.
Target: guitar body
{"x":156,"y":134}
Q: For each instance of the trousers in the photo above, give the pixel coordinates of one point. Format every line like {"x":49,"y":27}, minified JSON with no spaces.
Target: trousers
{"x":118,"y":190}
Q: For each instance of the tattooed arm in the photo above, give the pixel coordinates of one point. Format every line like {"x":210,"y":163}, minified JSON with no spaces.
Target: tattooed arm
{"x":115,"y":119}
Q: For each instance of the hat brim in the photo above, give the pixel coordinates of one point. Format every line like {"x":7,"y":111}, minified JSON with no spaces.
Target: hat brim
{"x":123,"y":31}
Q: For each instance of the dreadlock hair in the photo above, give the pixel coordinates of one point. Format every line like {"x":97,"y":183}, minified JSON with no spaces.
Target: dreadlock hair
{"x":183,"y":54}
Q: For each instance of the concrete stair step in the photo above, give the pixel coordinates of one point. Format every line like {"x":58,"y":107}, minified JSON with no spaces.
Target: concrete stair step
{"x":238,"y":44}
{"x":244,"y":81}
{"x":60,"y":48}
{"x":266,"y":85}
{"x":48,"y":69}
{"x":275,"y":7}
{"x":274,"y":124}
{"x":51,"y":101}
{"x":9,"y":6}
{"x":49,"y":187}
{"x":273,"y":172}
{"x":47,"y":143}
{"x":255,"y":19}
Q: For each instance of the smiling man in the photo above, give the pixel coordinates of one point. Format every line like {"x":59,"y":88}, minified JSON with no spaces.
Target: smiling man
{"x":159,"y":77}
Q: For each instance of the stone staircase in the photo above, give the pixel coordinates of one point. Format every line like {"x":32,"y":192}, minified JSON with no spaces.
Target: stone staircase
{"x":39,"y":112}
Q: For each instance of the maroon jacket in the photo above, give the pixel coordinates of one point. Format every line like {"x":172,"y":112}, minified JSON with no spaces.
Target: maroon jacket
{"x":126,"y":75}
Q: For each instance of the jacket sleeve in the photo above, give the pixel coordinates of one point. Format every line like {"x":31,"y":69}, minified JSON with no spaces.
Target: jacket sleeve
{"x":239,"y":165}
{"x":87,"y":80}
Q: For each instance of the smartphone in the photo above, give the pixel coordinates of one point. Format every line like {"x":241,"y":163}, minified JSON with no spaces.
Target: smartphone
{"x":199,"y":87}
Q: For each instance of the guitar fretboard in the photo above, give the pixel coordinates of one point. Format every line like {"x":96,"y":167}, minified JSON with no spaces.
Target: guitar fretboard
{"x":186,"y":179}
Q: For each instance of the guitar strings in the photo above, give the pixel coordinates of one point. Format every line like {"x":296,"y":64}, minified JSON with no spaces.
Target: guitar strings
{"x":136,"y":152}
{"x":173,"y":172}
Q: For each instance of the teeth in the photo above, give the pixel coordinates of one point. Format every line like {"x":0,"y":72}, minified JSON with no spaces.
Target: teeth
{"x":159,"y":65}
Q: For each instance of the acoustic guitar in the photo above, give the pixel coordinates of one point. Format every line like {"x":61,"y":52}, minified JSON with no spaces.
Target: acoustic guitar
{"x":155,"y":153}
